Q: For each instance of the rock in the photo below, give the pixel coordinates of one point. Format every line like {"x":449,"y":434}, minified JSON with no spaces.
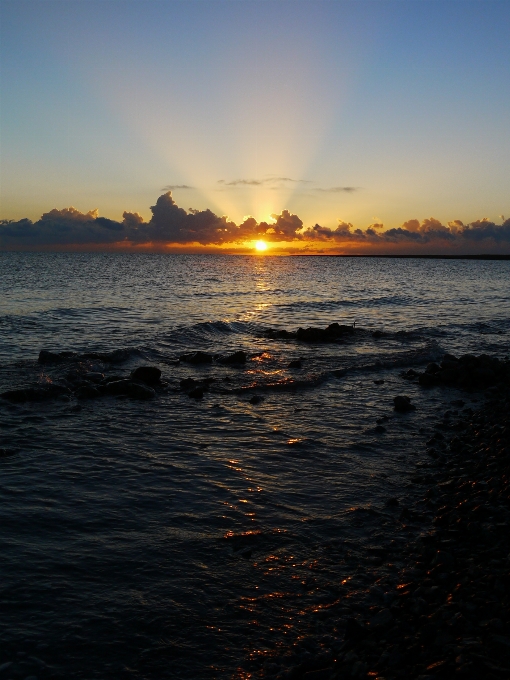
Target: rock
{"x":332,"y":332}
{"x":196,"y":358}
{"x":403,"y":404}
{"x":339,"y":372}
{"x":256,"y":399}
{"x":149,"y":375}
{"x":87,"y":392}
{"x":3,"y":454}
{"x":378,"y":382}
{"x":295,"y":363}
{"x":232,"y":359}
{"x":428,"y":379}
{"x":187,"y":383}
{"x":46,"y":357}
{"x":197,"y":393}
{"x":380,"y":429}
{"x":382,"y":619}
{"x":118,"y":387}
{"x":432,"y":368}
{"x":354,"y":631}
{"x":95,"y":376}
{"x":377,"y":334}
{"x":392,"y":503}
{"x":411,"y":374}
{"x":51,"y":391}
{"x":139,"y":391}
{"x":117,"y":356}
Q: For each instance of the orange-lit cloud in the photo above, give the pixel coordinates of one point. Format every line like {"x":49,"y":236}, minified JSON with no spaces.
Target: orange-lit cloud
{"x":173,"y":227}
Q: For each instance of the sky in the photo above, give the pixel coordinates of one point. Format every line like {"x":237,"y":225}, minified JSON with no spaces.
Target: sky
{"x":360,"y":126}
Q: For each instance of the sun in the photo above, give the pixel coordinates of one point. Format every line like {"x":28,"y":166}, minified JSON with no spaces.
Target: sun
{"x":260,"y":246}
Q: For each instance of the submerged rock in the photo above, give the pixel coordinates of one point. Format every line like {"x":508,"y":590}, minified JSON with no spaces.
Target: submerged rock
{"x":139,"y":391}
{"x":47,"y":357}
{"x":117,"y":387}
{"x":197,"y":358}
{"x":197,"y":393}
{"x":87,"y":392}
{"x":146,"y":374}
{"x":469,"y":372}
{"x":402,"y":404}
{"x":256,"y":399}
{"x":129,"y":388}
{"x":45,"y":393}
{"x":232,"y":359}
{"x":332,"y":333}
{"x":295,"y":363}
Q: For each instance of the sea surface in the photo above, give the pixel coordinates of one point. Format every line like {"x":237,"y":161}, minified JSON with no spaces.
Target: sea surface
{"x":183,"y":538}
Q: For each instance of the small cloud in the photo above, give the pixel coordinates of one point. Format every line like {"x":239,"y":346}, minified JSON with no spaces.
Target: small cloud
{"x":262,"y":182}
{"x":338,"y":190}
{"x":244,"y":182}
{"x":172,"y":187}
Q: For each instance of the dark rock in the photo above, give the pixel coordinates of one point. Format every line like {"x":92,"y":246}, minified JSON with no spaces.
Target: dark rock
{"x":140,"y":391}
{"x":87,"y":392}
{"x":295,"y":363}
{"x":428,"y":380}
{"x":196,"y":358}
{"x":332,"y":332}
{"x":402,"y":404}
{"x":46,"y":357}
{"x":377,"y":334}
{"x":95,"y":376}
{"x":381,"y":620}
{"x":187,"y":383}
{"x":339,"y":372}
{"x":380,"y":429}
{"x":197,"y":393}
{"x":392,"y":503}
{"x":117,"y":356}
{"x":411,"y":374}
{"x":118,"y":387}
{"x":45,"y":393}
{"x":150,"y":375}
{"x":378,"y":382}
{"x":432,"y":368}
{"x":354,"y":631}
{"x":256,"y":399}
{"x":232,"y":359}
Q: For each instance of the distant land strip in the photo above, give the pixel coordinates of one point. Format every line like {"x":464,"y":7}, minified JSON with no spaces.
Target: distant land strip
{"x":414,"y":257}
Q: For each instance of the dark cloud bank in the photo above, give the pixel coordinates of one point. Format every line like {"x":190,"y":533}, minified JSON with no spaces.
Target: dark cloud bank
{"x":171,"y":224}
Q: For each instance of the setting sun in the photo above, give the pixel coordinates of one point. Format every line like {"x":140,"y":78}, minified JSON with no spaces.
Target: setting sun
{"x":260,"y":246}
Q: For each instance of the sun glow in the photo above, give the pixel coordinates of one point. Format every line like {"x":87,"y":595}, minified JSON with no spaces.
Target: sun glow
{"x":260,"y":246}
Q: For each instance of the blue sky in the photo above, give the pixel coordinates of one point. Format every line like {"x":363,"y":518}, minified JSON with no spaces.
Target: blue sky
{"x":406,"y":104}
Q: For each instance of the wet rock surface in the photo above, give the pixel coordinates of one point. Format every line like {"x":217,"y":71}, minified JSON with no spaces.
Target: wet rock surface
{"x":332,"y":333}
{"x":446,"y":614}
{"x":467,"y":372}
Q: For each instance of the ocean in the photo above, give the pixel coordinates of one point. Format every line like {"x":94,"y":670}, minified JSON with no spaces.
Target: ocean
{"x":214,"y":537}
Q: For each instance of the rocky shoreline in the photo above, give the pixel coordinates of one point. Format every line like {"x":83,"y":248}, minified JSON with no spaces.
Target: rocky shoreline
{"x":447,"y":614}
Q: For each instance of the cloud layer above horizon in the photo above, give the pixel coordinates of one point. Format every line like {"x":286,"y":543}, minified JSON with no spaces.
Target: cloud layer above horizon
{"x":172,"y":225}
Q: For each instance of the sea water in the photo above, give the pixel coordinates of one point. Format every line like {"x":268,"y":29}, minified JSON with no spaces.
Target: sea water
{"x":182,"y":538}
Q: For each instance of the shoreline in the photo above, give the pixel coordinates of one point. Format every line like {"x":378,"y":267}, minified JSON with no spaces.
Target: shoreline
{"x":447,"y":613}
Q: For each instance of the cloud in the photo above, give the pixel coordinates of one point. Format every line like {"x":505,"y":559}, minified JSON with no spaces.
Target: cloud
{"x":338,"y":190}
{"x":262,"y":182}
{"x":172,"y":187}
{"x":171,"y":224}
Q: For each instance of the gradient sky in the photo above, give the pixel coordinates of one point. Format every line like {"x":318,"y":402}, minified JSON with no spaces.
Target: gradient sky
{"x":404,"y":104}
